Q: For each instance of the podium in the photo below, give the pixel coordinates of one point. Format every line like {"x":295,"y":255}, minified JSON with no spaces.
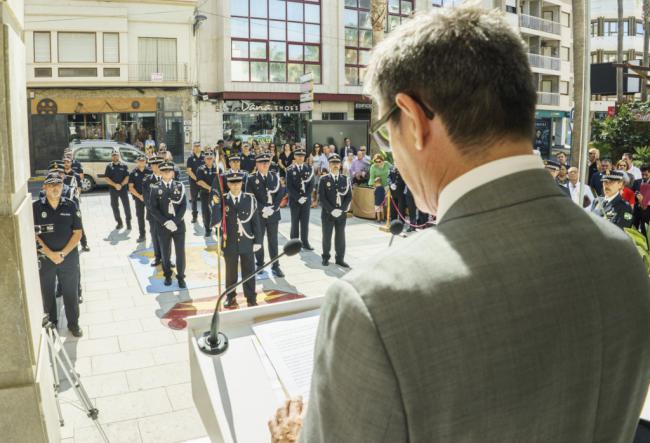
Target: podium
{"x":237,"y":392}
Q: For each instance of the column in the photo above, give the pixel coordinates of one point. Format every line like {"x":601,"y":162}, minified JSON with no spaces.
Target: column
{"x":27,"y":409}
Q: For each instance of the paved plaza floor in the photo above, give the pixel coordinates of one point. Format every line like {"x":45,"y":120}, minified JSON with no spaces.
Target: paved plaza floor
{"x":135,"y":367}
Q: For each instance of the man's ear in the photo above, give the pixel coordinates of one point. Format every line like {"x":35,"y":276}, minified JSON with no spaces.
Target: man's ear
{"x":413,"y":118}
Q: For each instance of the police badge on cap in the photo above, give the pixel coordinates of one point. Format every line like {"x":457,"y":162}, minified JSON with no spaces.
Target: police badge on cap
{"x":235,"y":177}
{"x":166,"y":166}
{"x":299,"y":151}
{"x":53,"y":179}
{"x":613,"y":176}
{"x":263,"y":157}
{"x":334,"y":158}
{"x":234,"y":158}
{"x":155,"y":160}
{"x":552,"y":165}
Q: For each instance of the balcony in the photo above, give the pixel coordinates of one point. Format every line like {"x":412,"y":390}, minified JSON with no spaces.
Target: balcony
{"x":157,"y":73}
{"x":544,"y":62}
{"x":539,"y":24}
{"x":548,"y":99}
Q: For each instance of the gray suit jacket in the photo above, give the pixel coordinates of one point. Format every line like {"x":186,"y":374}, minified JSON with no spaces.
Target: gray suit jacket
{"x":475,"y":332}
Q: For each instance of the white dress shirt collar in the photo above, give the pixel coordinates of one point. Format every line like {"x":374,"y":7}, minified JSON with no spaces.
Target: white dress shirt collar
{"x":486,"y":173}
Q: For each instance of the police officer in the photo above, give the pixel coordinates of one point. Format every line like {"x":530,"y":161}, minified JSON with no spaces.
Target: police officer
{"x":76,"y":164}
{"x":553,"y":168}
{"x":241,"y":235}
{"x":194,"y":161}
{"x":248,"y":159}
{"x":168,"y":205}
{"x":205,"y":176}
{"x":136,"y":188}
{"x":58,"y":224}
{"x":235,"y":166}
{"x":268,"y":191}
{"x":117,"y":177}
{"x":612,"y":206}
{"x":300,"y":182}
{"x":73,"y":179}
{"x":335,"y":194}
{"x":147,"y":183}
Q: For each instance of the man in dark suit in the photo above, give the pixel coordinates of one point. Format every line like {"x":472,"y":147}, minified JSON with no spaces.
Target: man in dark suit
{"x":641,"y":213}
{"x":300,"y":182}
{"x":248,"y":161}
{"x":347,"y":148}
{"x":268,"y":191}
{"x":241,"y":235}
{"x":194,"y":161}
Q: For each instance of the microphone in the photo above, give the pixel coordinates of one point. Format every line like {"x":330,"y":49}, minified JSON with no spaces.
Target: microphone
{"x":214,"y":342}
{"x":396,"y":228}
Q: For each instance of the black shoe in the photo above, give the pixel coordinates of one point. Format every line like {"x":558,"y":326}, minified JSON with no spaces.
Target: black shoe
{"x":128,"y":225}
{"x":307,"y":247}
{"x":342,"y":264}
{"x":194,"y":219}
{"x":168,"y":281}
{"x":278,"y":272}
{"x":140,"y":239}
{"x":230,"y":303}
{"x":326,"y":261}
{"x":119,"y":226}
{"x":85,"y":248}
{"x":59,"y":294}
{"x":182,"y":284}
{"x":75,"y":331}
{"x":155,"y":263}
{"x":172,"y":265}
{"x":208,"y":233}
{"x":251,"y":303}
{"x":410,"y":229}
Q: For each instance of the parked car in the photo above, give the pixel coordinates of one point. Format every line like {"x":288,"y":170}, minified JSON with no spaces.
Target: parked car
{"x":94,"y":155}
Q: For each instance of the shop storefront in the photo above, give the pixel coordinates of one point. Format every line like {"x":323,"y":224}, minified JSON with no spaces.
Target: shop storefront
{"x":264,"y":120}
{"x":552,"y":132}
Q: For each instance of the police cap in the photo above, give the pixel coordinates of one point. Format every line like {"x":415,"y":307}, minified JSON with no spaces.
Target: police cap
{"x":53,"y":179}
{"x":613,"y":176}
{"x":166,"y":166}
{"x":263,"y":157}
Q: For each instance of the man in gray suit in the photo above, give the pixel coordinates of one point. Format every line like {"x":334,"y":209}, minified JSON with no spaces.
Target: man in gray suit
{"x":457,"y":334}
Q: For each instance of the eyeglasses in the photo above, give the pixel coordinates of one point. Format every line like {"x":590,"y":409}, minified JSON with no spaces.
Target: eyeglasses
{"x":379,"y":130}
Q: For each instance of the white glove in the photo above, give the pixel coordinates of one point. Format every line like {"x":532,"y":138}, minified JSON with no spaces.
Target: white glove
{"x":336,"y":213}
{"x":302,"y":200}
{"x":257,"y":248}
{"x":267,"y":211}
{"x":393,"y":187}
{"x":169,"y":224}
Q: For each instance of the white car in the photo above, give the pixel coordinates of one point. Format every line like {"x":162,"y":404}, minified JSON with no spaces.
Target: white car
{"x":94,"y":155}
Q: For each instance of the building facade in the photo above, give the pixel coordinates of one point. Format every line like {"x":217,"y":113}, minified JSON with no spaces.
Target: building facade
{"x":604,"y":41}
{"x":120,"y":70}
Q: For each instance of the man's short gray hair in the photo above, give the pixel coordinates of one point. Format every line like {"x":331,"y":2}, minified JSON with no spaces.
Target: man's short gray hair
{"x":468,"y":65}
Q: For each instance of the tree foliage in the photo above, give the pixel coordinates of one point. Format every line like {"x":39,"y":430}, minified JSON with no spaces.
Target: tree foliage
{"x":618,"y":134}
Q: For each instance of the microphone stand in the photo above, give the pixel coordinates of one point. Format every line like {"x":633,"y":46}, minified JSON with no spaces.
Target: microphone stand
{"x":214,"y":342}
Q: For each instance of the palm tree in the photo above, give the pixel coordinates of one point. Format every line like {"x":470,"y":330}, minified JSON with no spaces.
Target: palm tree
{"x":378,"y":12}
{"x":646,"y":43}
{"x":579,"y":40}
{"x":619,"y":57}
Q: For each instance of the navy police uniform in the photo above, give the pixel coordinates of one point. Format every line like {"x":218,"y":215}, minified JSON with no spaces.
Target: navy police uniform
{"x":335,"y":194}
{"x":136,"y":179}
{"x":57,"y":225}
{"x":168,"y":205}
{"x":118,"y":173}
{"x":147,"y":183}
{"x":241,"y":237}
{"x":555,"y":166}
{"x":268,"y":192}
{"x":300,"y":183}
{"x":616,"y":210}
{"x":206,"y":174}
{"x":194,"y":162}
{"x":248,"y":162}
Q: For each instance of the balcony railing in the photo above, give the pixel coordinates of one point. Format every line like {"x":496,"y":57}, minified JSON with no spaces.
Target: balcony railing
{"x":548,"y":98}
{"x":539,"y":24}
{"x":544,"y":62}
{"x":158,"y":73}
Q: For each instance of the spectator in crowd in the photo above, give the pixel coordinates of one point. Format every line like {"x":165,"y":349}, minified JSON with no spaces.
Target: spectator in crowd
{"x":562,"y":160}
{"x":631,"y":168}
{"x":248,"y":162}
{"x":575,"y":187}
{"x":150,"y":141}
{"x":360,"y":167}
{"x":285,"y":159}
{"x":255,"y":146}
{"x":594,"y":161}
{"x":627,"y":193}
{"x":562,"y":178}
{"x":381,"y":169}
{"x":347,"y":164}
{"x":325,"y":166}
{"x":380,"y":200}
{"x":366,"y":157}
{"x":624,"y":167}
{"x":272,"y":148}
{"x":596,"y":179}
{"x":641,"y":187}
{"x":347,"y":148}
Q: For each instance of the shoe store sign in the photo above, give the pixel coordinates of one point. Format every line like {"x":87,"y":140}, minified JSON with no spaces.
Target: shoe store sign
{"x":260,"y":106}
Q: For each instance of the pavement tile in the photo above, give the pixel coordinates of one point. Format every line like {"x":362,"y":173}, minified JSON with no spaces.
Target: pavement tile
{"x":121,"y":361}
{"x":133,"y":405}
{"x":180,"y":396}
{"x":171,"y":353}
{"x":146,"y":340}
{"x":158,"y":376}
{"x":118,"y":432}
{"x":115,"y":328}
{"x":171,"y":428}
{"x":89,"y":348}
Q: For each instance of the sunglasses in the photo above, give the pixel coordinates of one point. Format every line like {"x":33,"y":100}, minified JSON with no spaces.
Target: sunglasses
{"x":379,"y":130}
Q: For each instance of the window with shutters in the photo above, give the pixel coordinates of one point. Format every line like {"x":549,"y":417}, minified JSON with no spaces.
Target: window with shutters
{"x":42,"y":47}
{"x":157,"y":56}
{"x":77,"y":47}
{"x":111,"y":47}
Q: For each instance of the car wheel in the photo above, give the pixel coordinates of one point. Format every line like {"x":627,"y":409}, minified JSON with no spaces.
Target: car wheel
{"x":87,"y":184}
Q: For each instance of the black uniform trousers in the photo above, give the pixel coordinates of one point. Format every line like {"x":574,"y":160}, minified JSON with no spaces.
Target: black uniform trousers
{"x":67,"y":274}
{"x":336,"y":225}
{"x":205,"y":209}
{"x":194,"y":195}
{"x":270,"y":230}
{"x":410,"y":203}
{"x":140,"y":214}
{"x":115,"y":205}
{"x":155,"y":239}
{"x":247,"y":267}
{"x":300,"y":221}
{"x":165,"y":237}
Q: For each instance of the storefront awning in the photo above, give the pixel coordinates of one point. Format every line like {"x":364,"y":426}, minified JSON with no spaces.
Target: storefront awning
{"x":92,"y":105}
{"x":287,"y":96}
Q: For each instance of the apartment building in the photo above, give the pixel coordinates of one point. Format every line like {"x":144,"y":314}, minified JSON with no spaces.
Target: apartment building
{"x":604,"y":40}
{"x":120,"y":70}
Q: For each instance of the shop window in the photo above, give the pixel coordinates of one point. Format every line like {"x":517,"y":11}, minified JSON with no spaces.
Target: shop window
{"x":275,"y":41}
{"x":77,"y":47}
{"x":265,"y":127}
{"x":335,"y":116}
{"x":42,"y":48}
